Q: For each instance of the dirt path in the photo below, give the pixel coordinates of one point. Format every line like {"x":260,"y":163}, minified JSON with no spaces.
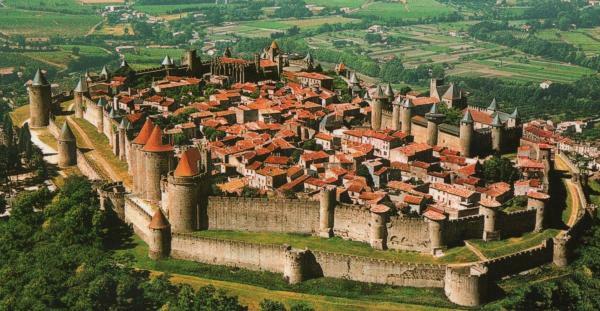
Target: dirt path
{"x":476,"y":251}
{"x":96,"y":157}
{"x":575,"y":203}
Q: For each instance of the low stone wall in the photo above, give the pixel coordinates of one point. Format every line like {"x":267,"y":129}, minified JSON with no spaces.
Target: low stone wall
{"x":351,"y":222}
{"x":408,"y":234}
{"x":261,"y":257}
{"x":516,"y":223}
{"x":87,"y":168}
{"x":228,"y":253}
{"x":458,"y":230}
{"x":138,"y":218}
{"x":53,"y":128}
{"x":263,"y":214}
{"x":521,"y":261}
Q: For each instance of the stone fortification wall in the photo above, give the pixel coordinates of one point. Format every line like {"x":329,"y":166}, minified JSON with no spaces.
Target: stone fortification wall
{"x":138,"y":218}
{"x":53,"y":128}
{"x":228,"y":253}
{"x":379,"y":271}
{"x":408,"y":234}
{"x":87,"y":169}
{"x":419,"y":132}
{"x":90,"y":113}
{"x":521,"y":261}
{"x":263,"y":214}
{"x":448,"y":140}
{"x":458,"y":230}
{"x":272,"y":258}
{"x":352,"y":222}
{"x":517,"y":223}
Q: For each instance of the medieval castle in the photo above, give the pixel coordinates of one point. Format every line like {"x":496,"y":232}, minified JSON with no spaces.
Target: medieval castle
{"x":172,"y":193}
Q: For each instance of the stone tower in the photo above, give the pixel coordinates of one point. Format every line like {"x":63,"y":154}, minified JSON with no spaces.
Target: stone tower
{"x":537,"y":200}
{"x":67,"y":147}
{"x":377,"y":108}
{"x":193,"y":62}
{"x":388,"y":91}
{"x":378,"y":227}
{"x":466,"y":286}
{"x":396,"y":111}
{"x":560,"y":255}
{"x":435,"y":224}
{"x":137,"y":157}
{"x":466,"y":134}
{"x":157,"y":159}
{"x":183,"y":192}
{"x":327,"y":202}
{"x":497,"y":128}
{"x":80,"y":90}
{"x":40,"y":101}
{"x":293,"y":265}
{"x":122,"y":130}
{"x":489,"y":210}
{"x":159,"y":244}
{"x":406,"y":116}
{"x":434,"y":118}
{"x":102,"y":102}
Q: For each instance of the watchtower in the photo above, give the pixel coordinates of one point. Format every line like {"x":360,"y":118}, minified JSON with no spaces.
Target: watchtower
{"x":157,"y":160}
{"x":378,"y":225}
{"x":80,"y":90}
{"x":406,"y":115}
{"x":40,"y":101}
{"x":497,"y":128}
{"x":137,"y":157}
{"x":183,"y":192}
{"x":489,"y":210}
{"x":377,"y":108}
{"x":159,"y":245}
{"x":67,"y":147}
{"x":466,"y":134}
{"x":327,"y":202}
{"x":434,"y":119}
{"x":537,"y":200}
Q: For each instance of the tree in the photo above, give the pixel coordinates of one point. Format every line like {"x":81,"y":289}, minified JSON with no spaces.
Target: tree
{"x":270,"y":305}
{"x":3,"y":205}
{"x":75,"y":50}
{"x":498,"y":169}
{"x":363,"y":171}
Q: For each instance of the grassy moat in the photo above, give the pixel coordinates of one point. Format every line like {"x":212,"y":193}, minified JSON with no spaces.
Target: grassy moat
{"x":339,"y":245}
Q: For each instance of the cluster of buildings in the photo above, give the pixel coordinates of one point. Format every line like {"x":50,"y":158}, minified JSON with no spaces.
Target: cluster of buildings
{"x":276,"y":125}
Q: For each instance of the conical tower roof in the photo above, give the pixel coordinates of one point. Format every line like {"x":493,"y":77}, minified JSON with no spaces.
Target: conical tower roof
{"x":407,"y":103}
{"x":389,"y":91}
{"x":144,"y":134}
{"x":467,"y":117}
{"x":155,"y":144}
{"x":367,"y":96}
{"x":39,"y":79}
{"x":496,"y":122}
{"x":167,"y":61}
{"x":102,"y":102}
{"x":66,"y":134}
{"x":353,"y":78}
{"x":493,"y":106}
{"x":186,"y":166}
{"x":159,"y":221}
{"x":309,"y":58}
{"x":124,"y":63}
{"x":114,"y":114}
{"x":124,"y":124}
{"x":104,"y":71}
{"x":434,"y":109}
{"x":82,"y":86}
{"x":227,"y":52}
{"x":452,"y":93}
{"x":515,"y":114}
{"x":274,"y":45}
{"x":379,"y":93}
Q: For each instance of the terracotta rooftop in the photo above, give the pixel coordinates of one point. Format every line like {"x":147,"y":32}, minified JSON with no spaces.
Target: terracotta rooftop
{"x":538,"y":195}
{"x":145,"y":133}
{"x":158,"y":221}
{"x":186,"y":166}
{"x":155,"y":144}
{"x":380,"y":209}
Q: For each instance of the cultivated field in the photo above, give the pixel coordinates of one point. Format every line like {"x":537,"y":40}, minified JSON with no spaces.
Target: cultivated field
{"x":43,"y":24}
{"x":151,"y":57}
{"x":62,"y":57}
{"x":588,"y":40}
{"x":413,"y":9}
{"x":337,"y":3}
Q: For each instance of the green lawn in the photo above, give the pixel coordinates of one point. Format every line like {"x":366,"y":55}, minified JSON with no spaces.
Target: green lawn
{"x":45,"y":24}
{"x":321,"y":293}
{"x":512,"y":245}
{"x":337,"y":245}
{"x":413,"y":10}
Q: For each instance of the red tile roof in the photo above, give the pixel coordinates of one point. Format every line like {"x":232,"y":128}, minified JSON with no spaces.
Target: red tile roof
{"x":155,"y":144}
{"x":145,"y":133}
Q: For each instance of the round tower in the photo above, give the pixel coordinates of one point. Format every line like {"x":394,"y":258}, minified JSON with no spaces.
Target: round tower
{"x":377,"y":108}
{"x":40,"y":101}
{"x":489,"y":210}
{"x":159,"y":244}
{"x":157,"y":157}
{"x":497,"y":128}
{"x":537,"y":200}
{"x":137,"y":157}
{"x":466,"y":134}
{"x":293,"y":265}
{"x":67,"y":147}
{"x":327,"y":202}
{"x":559,"y":253}
{"x":183,"y":193}
{"x":102,"y":102}
{"x":466,"y":286}
{"x":435,"y":224}
{"x":123,"y":126}
{"x":434,"y":118}
{"x":80,"y":90}
{"x":406,"y":115}
{"x":396,"y":117}
{"x":378,"y":227}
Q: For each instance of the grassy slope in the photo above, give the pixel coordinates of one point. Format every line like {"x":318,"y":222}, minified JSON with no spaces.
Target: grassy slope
{"x":512,"y":245}
{"x":323,"y":293}
{"x":337,"y":245}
